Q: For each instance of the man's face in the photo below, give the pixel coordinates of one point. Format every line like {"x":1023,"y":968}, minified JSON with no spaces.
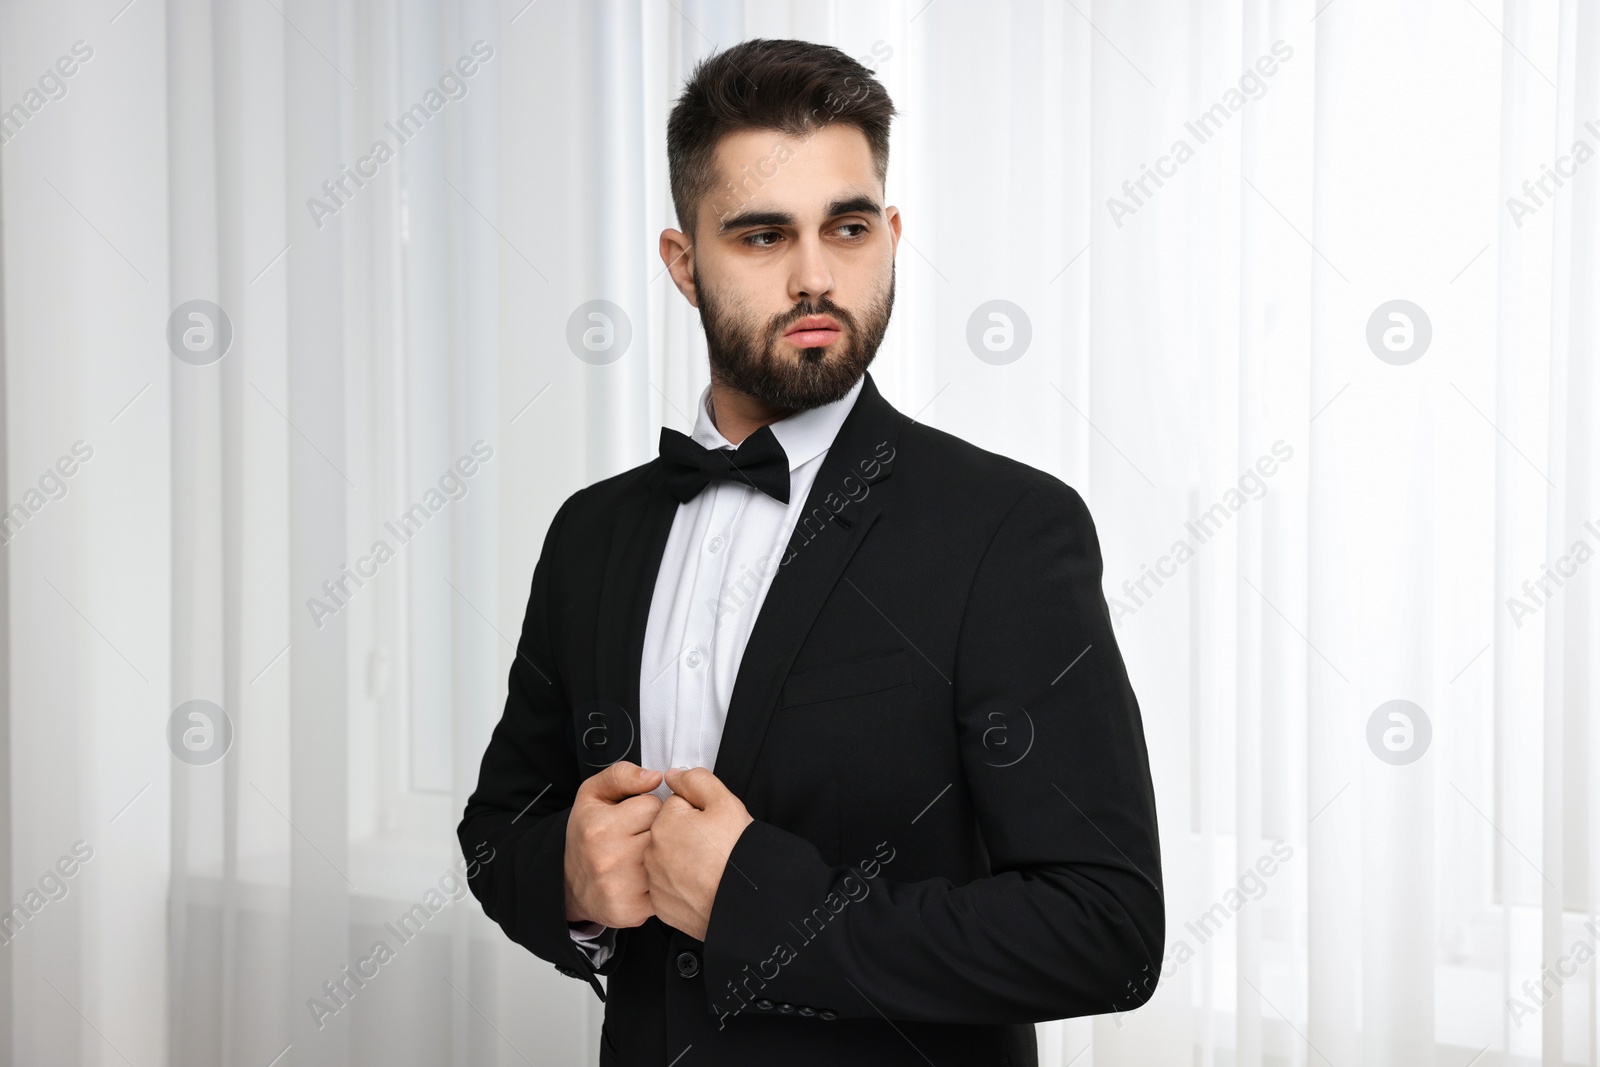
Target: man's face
{"x":793,"y":265}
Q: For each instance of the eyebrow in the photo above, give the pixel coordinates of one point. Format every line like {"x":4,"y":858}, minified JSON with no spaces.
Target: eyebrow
{"x":851,"y":205}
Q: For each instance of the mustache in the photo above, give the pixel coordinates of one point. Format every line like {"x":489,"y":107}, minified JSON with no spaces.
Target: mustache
{"x":781,"y":325}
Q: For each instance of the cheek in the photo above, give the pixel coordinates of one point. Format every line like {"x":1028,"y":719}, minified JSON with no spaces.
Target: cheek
{"x":857,"y":291}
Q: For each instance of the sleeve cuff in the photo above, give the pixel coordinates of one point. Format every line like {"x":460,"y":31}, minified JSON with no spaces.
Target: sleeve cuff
{"x":595,"y":941}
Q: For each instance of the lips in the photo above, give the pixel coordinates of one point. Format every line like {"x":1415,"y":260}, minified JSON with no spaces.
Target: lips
{"x":814,"y":331}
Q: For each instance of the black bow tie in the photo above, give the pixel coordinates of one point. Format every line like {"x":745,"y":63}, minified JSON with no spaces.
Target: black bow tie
{"x":759,"y":461}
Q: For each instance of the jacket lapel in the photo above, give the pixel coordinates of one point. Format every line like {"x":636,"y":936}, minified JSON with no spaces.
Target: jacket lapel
{"x":637,"y":544}
{"x":818,"y":551}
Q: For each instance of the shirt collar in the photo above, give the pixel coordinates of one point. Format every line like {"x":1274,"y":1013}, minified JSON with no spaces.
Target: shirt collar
{"x":805,"y":435}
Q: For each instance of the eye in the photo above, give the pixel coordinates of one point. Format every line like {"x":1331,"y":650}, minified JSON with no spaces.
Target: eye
{"x":754,"y":240}
{"x":861,"y":226}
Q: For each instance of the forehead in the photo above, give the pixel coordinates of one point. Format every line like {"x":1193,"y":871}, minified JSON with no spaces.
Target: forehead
{"x":768,"y":168}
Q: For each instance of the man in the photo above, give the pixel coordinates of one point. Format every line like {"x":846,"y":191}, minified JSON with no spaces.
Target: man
{"x":917,"y":813}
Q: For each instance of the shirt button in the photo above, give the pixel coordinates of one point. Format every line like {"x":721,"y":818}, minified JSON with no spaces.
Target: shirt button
{"x":826,"y":1014}
{"x":693,"y":658}
{"x":715,"y":544}
{"x":807,"y":1012}
{"x":786,"y":1008}
{"x":764,"y":1004}
{"x":688,"y":964}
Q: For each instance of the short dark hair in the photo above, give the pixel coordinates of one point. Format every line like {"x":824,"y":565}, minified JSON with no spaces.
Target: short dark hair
{"x":793,"y":87}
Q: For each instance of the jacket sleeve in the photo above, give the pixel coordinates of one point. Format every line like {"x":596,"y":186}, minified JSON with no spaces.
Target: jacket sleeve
{"x":1070,"y":921}
{"x":526,"y":784}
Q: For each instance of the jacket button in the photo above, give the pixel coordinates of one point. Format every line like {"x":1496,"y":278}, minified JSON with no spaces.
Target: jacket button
{"x":764,"y":1004}
{"x":688,"y":964}
{"x":826,"y":1014}
{"x":807,"y":1012}
{"x":786,"y":1008}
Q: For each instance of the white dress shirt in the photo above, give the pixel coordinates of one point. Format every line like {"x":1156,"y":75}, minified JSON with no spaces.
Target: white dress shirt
{"x":724,"y":548}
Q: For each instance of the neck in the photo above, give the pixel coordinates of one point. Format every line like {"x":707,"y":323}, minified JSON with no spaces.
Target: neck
{"x":737,"y":415}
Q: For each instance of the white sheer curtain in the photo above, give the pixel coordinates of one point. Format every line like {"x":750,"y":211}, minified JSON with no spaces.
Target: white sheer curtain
{"x":1313,"y":501}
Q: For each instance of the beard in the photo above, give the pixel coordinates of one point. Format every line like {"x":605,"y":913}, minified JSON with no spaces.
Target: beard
{"x":752,"y":357}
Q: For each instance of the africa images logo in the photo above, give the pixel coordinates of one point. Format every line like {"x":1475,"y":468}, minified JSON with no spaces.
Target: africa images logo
{"x":343,"y":186}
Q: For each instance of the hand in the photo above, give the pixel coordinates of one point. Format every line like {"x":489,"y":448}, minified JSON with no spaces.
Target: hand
{"x":688,"y":848}
{"x":607,"y":833}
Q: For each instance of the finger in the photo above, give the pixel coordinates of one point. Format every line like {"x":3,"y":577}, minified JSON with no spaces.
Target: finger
{"x":621,"y":780}
{"x":696,"y":785}
{"x":635,"y":814}
{"x":675,"y":805}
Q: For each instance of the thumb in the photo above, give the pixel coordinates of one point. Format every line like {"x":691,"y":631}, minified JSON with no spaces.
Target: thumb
{"x":696,"y":785}
{"x":622,"y":780}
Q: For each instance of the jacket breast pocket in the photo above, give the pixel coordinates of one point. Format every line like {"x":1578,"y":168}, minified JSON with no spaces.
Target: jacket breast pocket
{"x":835,"y":682}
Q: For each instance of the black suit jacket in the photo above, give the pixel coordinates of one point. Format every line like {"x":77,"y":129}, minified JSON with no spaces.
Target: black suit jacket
{"x":955,"y":831}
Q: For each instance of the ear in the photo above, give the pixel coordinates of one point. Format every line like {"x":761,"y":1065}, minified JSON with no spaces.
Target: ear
{"x":677,"y":252}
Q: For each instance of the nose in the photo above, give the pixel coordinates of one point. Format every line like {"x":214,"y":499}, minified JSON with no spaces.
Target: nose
{"x":812,"y":276}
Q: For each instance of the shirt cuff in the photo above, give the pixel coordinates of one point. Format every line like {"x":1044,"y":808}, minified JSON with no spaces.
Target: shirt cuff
{"x":594,"y":940}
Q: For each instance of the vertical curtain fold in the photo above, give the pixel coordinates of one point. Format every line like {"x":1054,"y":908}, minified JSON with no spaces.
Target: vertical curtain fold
{"x":317,"y":449}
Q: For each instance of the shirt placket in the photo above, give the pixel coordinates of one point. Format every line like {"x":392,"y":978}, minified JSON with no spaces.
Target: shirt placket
{"x":696,"y":681}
